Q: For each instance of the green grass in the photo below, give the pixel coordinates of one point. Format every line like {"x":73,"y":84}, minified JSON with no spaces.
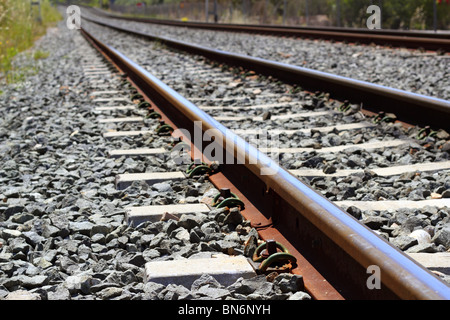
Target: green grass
{"x":19,"y":29}
{"x":40,"y":54}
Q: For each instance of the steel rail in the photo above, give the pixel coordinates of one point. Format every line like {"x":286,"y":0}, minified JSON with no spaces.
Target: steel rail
{"x":337,"y":243}
{"x":409,"y":39}
{"x":409,"y":107}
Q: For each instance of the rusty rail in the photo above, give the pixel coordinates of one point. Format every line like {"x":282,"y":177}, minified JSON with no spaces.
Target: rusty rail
{"x":328,"y":243}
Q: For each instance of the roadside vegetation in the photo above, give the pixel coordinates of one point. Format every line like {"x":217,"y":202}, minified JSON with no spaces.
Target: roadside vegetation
{"x":21,"y":24}
{"x":396,"y":14}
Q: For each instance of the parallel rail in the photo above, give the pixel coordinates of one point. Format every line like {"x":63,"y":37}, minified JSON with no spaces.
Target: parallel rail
{"x":397,"y":38}
{"x":408,"y":107}
{"x":327,"y":242}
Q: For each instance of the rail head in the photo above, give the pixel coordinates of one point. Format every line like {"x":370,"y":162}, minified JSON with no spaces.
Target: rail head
{"x":400,"y":274}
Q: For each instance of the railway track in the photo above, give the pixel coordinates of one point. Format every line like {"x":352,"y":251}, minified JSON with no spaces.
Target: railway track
{"x":96,"y":195}
{"x":409,"y":107}
{"x":375,"y":64}
{"x":409,"y":39}
{"x":321,"y":234}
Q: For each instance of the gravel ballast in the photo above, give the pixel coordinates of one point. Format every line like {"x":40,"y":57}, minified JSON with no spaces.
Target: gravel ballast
{"x":62,"y":229}
{"x":363,"y":186}
{"x":425,"y":73}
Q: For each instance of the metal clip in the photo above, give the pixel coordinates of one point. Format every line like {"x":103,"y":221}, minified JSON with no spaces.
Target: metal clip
{"x":425,"y":132}
{"x":384,"y":117}
{"x":153,"y":114}
{"x":345,"y":106}
{"x":198,"y":168}
{"x":227,"y":199}
{"x":137,"y":96}
{"x":267,"y":253}
{"x":144,"y":105}
{"x":163,"y":128}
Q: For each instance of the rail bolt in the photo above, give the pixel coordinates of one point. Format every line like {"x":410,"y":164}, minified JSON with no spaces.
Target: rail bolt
{"x":197,"y":168}
{"x":153,"y":115}
{"x":144,"y":105}
{"x":384,"y":117}
{"x":163,"y":128}
{"x":267,"y":249}
{"x":267,"y":253}
{"x":345,"y":106}
{"x":137,"y":96}
{"x":426,"y":132}
{"x":227,"y":199}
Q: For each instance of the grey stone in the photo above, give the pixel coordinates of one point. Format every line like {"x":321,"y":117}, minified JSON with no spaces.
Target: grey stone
{"x":212,"y":293}
{"x":188,"y":222}
{"x":375,"y":222}
{"x":61,"y":293}
{"x":331,"y":140}
{"x":43,"y":263}
{"x":403,"y":242}
{"x":137,"y":260}
{"x":23,"y":295}
{"x":205,"y":280}
{"x":180,"y":234}
{"x":150,"y":254}
{"x":355,"y":212}
{"x":307,"y":143}
{"x":416,"y":195}
{"x":103,"y":285}
{"x":300,"y":295}
{"x":67,"y":265}
{"x":81,"y":282}
{"x":287,"y":282}
{"x":153,"y":287}
{"x":83,"y":227}
{"x":109,"y":293}
{"x":162,"y":187}
{"x":446,"y":146}
{"x":412,"y":223}
{"x":98,"y":238}
{"x":265,"y":290}
{"x":100,"y":229}
{"x":422,"y":248}
{"x":170,"y":226}
{"x":11,"y":210}
{"x":175,"y":292}
{"x":19,"y":245}
{"x":26,"y":281}
{"x":247,"y":286}
{"x":36,"y":209}
{"x":7,"y":234}
{"x":22,"y":217}
{"x":234,"y":217}
{"x":33,"y":238}
{"x":329,"y":169}
{"x":194,"y":237}
{"x":443,"y":237}
{"x":49,"y":231}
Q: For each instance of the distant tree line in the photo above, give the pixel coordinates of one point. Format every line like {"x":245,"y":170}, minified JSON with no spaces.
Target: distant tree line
{"x":396,"y":14}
